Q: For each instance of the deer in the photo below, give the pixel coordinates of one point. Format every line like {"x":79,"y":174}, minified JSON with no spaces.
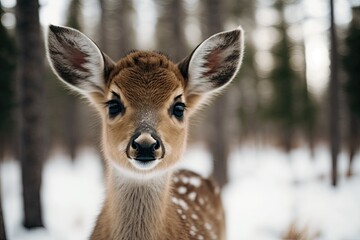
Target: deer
{"x":145,"y":101}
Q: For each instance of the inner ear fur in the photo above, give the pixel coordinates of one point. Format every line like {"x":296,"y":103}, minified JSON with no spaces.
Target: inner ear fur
{"x":213,"y":63}
{"x":77,"y":60}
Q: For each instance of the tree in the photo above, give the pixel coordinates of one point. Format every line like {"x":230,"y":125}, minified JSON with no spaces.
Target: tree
{"x":2,"y":225}
{"x":117,"y":33}
{"x":334,"y":98}
{"x":71,"y":103}
{"x":285,"y":84}
{"x":170,"y":23}
{"x":30,"y":83}
{"x":248,"y":95}
{"x":218,"y":141}
{"x":308,"y":116}
{"x":7,"y":67}
{"x":351,"y":62}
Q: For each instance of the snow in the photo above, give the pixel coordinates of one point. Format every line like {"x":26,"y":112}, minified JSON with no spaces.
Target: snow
{"x":71,"y":195}
{"x":268,"y":191}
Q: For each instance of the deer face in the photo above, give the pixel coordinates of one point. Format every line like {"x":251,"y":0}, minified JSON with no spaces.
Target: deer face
{"x":144,"y":118}
{"x":144,"y":99}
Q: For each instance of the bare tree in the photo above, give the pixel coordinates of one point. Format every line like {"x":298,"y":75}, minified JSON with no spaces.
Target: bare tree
{"x":30,"y":76}
{"x":72,"y":116}
{"x":217,"y":140}
{"x":117,"y":33}
{"x":7,"y":66}
{"x":171,"y":23}
{"x":352,"y":85}
{"x":2,"y":224}
{"x":334,"y":98}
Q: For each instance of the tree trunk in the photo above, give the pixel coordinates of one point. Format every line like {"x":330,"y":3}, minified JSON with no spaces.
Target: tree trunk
{"x":218,"y":139}
{"x":72,"y":116}
{"x":287,"y":143}
{"x":218,"y":142}
{"x":117,"y":33}
{"x":72,"y":126}
{"x":353,"y":140}
{"x":2,"y":224}
{"x":31,"y":101}
{"x":334,"y":99}
{"x":102,"y":25}
{"x":171,"y":23}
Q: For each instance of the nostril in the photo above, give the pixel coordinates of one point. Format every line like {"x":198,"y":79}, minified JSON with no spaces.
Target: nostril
{"x":145,"y":147}
{"x":156,"y":145}
{"x":135,"y":145}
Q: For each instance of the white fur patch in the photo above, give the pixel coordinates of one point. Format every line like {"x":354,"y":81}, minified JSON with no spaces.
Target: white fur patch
{"x":192,"y":196}
{"x":144,"y":165}
{"x":140,"y":174}
{"x":182,"y":190}
{"x":195,"y":181}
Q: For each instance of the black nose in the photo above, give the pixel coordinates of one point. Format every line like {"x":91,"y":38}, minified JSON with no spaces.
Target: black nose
{"x":145,"y":151}
{"x":145,"y":147}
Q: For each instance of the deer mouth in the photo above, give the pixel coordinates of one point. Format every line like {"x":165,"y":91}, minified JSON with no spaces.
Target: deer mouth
{"x":144,"y":163}
{"x":145,"y":158}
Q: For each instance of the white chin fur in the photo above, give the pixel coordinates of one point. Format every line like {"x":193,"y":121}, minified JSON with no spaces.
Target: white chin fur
{"x":141,"y":172}
{"x":141,"y":165}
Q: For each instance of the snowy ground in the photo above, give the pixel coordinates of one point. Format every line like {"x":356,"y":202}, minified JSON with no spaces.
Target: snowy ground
{"x":268,"y":191}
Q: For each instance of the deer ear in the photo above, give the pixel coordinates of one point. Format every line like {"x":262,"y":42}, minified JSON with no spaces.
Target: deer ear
{"x":77,"y":60}
{"x":214,"y":63}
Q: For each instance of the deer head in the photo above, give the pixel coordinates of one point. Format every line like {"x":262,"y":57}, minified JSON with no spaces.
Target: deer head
{"x":144,"y":100}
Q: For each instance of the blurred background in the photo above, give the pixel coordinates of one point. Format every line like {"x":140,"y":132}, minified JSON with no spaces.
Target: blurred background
{"x":282,"y":141}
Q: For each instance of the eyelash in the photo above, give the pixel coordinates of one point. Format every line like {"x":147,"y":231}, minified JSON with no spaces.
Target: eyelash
{"x":115,"y":107}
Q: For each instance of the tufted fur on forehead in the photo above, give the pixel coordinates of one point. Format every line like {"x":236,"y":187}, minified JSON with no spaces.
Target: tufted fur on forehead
{"x":146,"y":78}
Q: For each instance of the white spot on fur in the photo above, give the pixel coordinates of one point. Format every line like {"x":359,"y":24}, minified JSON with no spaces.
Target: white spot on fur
{"x":195,"y":181}
{"x":182,"y":190}
{"x":183,"y":204}
{"x":175,"y":200}
{"x":201,"y":201}
{"x":192,"y":196}
{"x":201,"y":237}
{"x":192,"y":233}
{"x":179,"y":211}
{"x":194,"y":216}
{"x":183,"y":216}
{"x":185,"y":180}
{"x":176,"y":179}
{"x":208,"y":226}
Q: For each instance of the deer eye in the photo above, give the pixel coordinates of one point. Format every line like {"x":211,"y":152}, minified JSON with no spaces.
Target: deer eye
{"x":178,"y":110}
{"x":114,"y":107}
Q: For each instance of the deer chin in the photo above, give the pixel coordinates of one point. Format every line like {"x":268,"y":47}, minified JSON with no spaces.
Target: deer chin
{"x":144,"y":165}
{"x":140,"y":171}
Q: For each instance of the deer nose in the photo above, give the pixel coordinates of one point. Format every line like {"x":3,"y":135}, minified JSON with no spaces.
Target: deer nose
{"x":145,"y":147}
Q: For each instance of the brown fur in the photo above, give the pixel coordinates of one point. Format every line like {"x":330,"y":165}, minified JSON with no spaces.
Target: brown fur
{"x":147,"y":83}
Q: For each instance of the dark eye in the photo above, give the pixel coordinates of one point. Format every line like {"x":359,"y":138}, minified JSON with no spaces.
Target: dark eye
{"x":178,"y":110}
{"x":115,"y":107}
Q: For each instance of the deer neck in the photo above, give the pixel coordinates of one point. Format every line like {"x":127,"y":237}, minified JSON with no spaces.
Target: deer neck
{"x":138,"y":207}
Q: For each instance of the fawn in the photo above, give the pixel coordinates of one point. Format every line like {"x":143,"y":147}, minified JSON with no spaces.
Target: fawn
{"x":145,"y":102}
